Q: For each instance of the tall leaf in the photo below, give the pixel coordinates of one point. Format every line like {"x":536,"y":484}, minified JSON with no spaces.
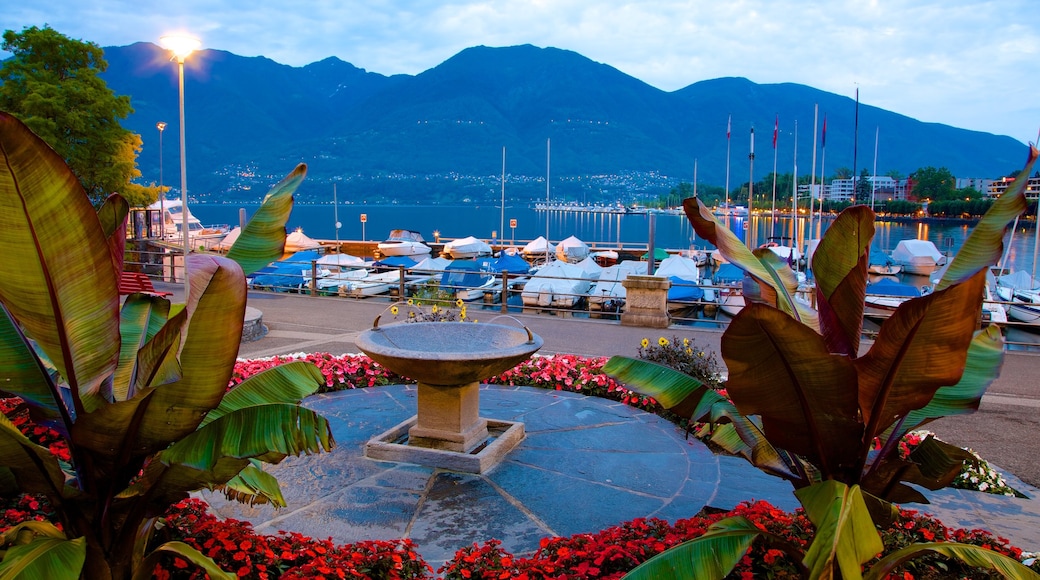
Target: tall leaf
{"x":254,"y":486}
{"x":140,"y":317}
{"x":840,"y":267}
{"x":112,"y":216}
{"x":51,"y":558}
{"x":52,"y":279}
{"x":921,"y":348}
{"x":780,"y":370}
{"x":182,"y":550}
{"x":263,"y":239}
{"x":22,"y":374}
{"x":34,"y":467}
{"x":845,"y":534}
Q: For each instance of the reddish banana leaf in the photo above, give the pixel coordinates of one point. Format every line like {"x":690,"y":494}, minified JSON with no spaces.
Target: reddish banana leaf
{"x":52,"y":278}
{"x":840,"y":269}
{"x":263,"y":239}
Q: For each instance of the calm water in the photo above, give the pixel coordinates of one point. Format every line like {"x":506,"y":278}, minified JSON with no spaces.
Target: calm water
{"x":671,"y":231}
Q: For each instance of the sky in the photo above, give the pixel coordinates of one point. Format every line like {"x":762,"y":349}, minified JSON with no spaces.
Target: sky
{"x":973,"y":64}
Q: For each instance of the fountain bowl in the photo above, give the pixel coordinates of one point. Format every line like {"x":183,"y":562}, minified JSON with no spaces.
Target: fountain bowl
{"x":448,"y":353}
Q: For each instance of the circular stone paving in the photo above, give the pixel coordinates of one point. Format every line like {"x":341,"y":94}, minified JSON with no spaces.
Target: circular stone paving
{"x":586,"y":464}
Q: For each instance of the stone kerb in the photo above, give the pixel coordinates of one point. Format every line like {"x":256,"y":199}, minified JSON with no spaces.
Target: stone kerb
{"x":646,"y":301}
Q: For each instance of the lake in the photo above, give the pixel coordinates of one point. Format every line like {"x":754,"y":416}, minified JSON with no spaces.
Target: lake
{"x":672,"y":231}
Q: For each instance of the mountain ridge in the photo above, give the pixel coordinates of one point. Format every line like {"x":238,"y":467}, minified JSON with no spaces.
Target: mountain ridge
{"x":438,"y":135}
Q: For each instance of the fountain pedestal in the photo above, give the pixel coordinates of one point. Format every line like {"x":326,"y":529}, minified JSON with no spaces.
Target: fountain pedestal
{"x":448,"y":359}
{"x":449,"y":418}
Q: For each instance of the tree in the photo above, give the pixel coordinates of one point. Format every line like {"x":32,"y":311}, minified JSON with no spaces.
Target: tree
{"x":843,"y":173}
{"x":934,"y":184}
{"x":52,"y":84}
{"x":863,"y":186}
{"x":136,"y":388}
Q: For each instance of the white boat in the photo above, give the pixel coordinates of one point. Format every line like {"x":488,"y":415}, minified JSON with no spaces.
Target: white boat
{"x":372,"y":284}
{"x":884,"y":297}
{"x":343,"y":281}
{"x":468,"y":247}
{"x":882,"y":264}
{"x":919,"y":257}
{"x":468,"y":279}
{"x":538,"y":250}
{"x":334,"y":270}
{"x":557,"y":284}
{"x":297,"y":241}
{"x":1021,"y":294}
{"x":684,"y":275}
{"x":572,"y":250}
{"x":403,"y":243}
{"x":167,"y":218}
{"x":608,"y":292}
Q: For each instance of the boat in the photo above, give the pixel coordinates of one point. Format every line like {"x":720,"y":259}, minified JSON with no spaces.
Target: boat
{"x":884,"y":296}
{"x":167,"y":218}
{"x":882,"y":264}
{"x":469,"y":278}
{"x":287,"y":274}
{"x":372,"y":284}
{"x":403,"y":243}
{"x":297,"y":241}
{"x":556,"y":284}
{"x":787,"y":253}
{"x":608,"y":292}
{"x":572,"y":250}
{"x":464,"y":248}
{"x":538,"y":250}
{"x":919,"y":257}
{"x":729,"y":283}
{"x":684,"y":275}
{"x":1021,"y":294}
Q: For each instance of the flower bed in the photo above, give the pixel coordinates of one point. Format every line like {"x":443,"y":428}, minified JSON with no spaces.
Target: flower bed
{"x":236,"y":547}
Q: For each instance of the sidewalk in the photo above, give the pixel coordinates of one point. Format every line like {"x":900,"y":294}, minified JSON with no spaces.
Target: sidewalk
{"x":417,"y":502}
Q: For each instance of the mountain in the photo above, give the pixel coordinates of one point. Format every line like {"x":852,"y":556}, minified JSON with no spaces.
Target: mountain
{"x":439,"y":135}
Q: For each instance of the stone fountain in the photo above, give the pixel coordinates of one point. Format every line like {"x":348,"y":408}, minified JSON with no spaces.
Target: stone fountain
{"x":448,"y":360}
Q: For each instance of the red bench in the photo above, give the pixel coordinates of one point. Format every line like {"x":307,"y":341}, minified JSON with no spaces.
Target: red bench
{"x":131,"y":282}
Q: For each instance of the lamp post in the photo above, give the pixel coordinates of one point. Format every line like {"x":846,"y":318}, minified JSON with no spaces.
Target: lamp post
{"x":181,"y":47}
{"x":161,"y":126}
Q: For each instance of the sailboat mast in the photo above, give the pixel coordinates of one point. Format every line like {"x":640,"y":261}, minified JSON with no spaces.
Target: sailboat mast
{"x":812,"y":175}
{"x":502,"y":217}
{"x":751,"y":189}
{"x":729,"y":125}
{"x":794,"y":193}
{"x":547,"y":157}
{"x":873,"y":182}
{"x":772,"y":219}
{"x":335,"y":214}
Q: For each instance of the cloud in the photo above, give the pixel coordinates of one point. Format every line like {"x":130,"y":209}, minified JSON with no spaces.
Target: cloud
{"x":968,"y":63}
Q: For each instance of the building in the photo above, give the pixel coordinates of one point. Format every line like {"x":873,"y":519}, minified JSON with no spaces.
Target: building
{"x":997,"y":187}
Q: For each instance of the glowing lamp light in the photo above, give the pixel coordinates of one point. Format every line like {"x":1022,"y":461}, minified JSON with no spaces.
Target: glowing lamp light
{"x":180,"y":45}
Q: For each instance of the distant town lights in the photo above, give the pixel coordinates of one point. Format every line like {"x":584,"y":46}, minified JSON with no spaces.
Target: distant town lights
{"x":180,"y":45}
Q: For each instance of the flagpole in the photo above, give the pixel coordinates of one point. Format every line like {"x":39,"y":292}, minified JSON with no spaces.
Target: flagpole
{"x":855,"y":147}
{"x":823,"y":173}
{"x":729,"y":125}
{"x":873,"y":182}
{"x":751,"y":189}
{"x":794,"y":199}
{"x":812,"y":179}
{"x":772,"y":219}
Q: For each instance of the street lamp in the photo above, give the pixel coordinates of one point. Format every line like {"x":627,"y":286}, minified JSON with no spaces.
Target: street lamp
{"x":161,"y":126}
{"x":181,"y":47}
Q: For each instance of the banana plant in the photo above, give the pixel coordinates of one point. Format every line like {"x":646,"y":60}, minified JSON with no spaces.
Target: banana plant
{"x":138,"y":389}
{"x":806,"y":404}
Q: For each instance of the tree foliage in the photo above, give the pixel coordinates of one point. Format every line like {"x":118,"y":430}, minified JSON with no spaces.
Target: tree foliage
{"x":934,"y":184}
{"x":52,"y":84}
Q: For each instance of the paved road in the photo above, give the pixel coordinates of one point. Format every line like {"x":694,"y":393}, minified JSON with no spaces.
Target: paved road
{"x":1005,"y":431}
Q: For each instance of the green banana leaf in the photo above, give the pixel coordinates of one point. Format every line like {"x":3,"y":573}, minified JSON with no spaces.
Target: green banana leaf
{"x":267,"y":432}
{"x":709,"y":557}
{"x":141,"y":316}
{"x":144,"y":571}
{"x":288,"y":383}
{"x":967,"y":553}
{"x":23,"y":375}
{"x":840,"y":268}
{"x":50,"y":556}
{"x":845,"y":534}
{"x":253,"y":486}
{"x":52,"y":278}
{"x":780,"y":370}
{"x":263,"y":239}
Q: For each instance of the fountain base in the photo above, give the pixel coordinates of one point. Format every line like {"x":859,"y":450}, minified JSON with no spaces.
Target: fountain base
{"x":397,"y":444}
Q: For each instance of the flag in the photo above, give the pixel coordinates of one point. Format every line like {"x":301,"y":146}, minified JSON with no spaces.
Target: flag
{"x":824,"y":143}
{"x":776,"y":129}
{"x":729,"y":125}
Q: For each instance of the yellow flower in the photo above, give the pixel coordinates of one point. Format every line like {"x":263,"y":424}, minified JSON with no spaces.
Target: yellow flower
{"x":686,"y":342}
{"x":458,"y":303}
{"x":434,"y":309}
{"x":662,"y":341}
{"x":644,"y":343}
{"x":462,"y":313}
{"x":411,"y":302}
{"x":411,"y":315}
{"x":393,"y":310}
{"x":700,"y":354}
{"x":689,"y":351}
